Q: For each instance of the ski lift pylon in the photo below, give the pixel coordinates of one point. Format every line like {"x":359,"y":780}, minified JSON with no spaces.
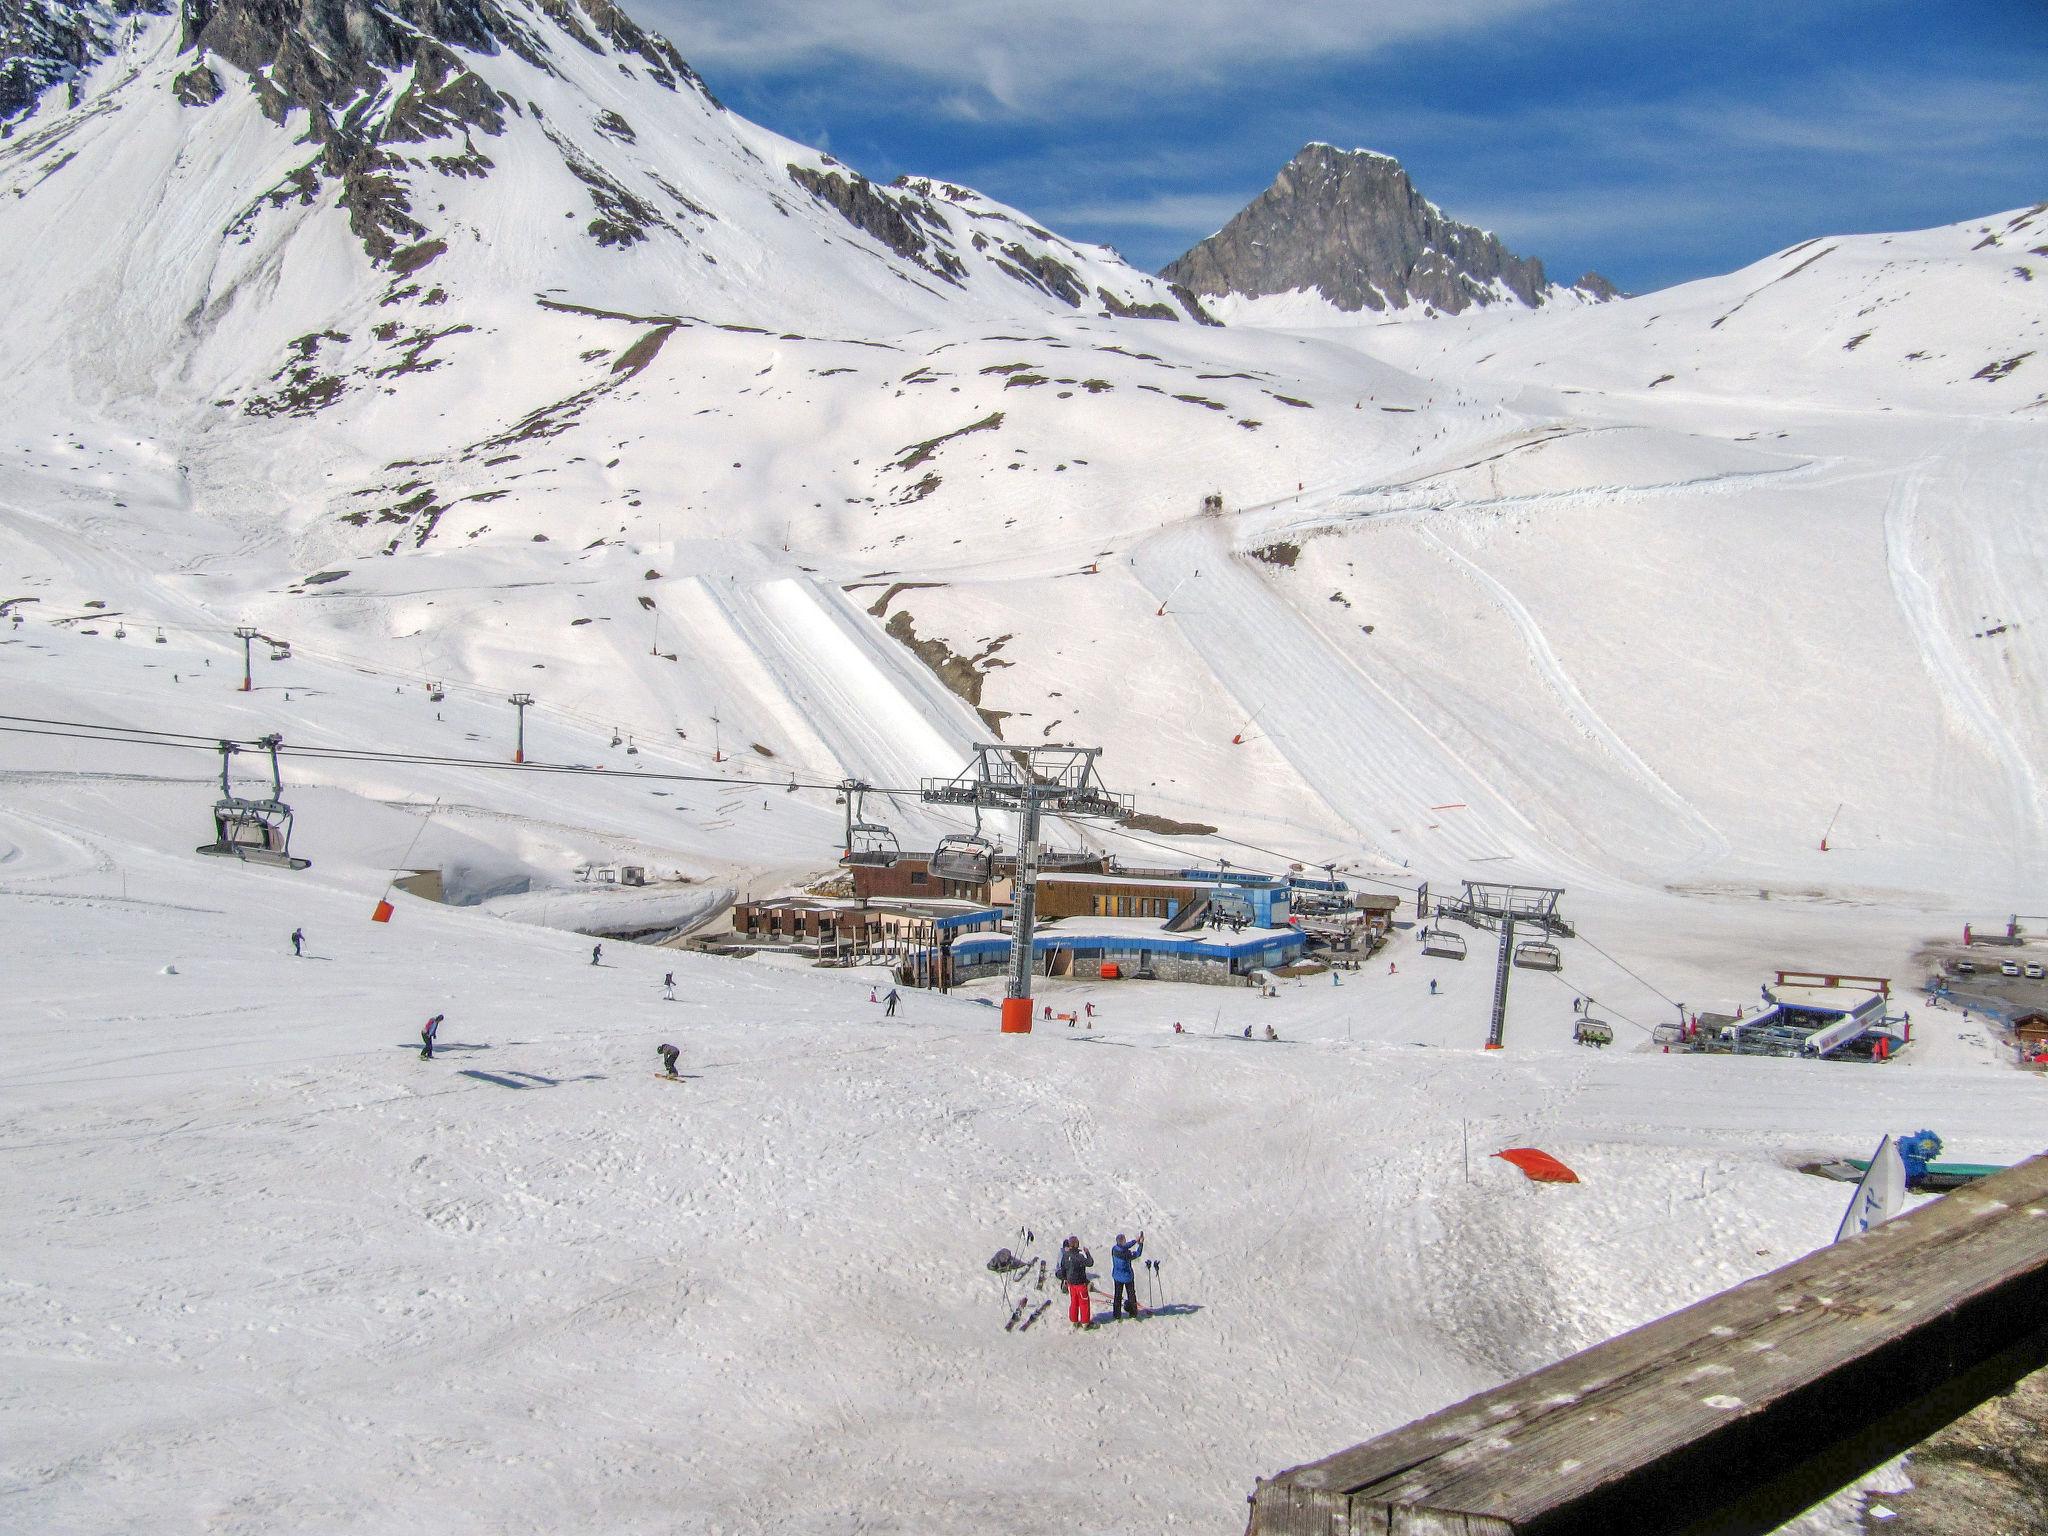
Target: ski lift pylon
{"x":255,"y":831}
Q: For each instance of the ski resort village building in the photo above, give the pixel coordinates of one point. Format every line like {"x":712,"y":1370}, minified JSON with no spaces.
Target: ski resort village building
{"x":1220,"y":926}
{"x":1116,"y":948}
{"x":1844,"y":1018}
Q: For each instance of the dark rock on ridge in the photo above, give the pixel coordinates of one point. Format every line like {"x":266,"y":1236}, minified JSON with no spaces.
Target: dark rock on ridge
{"x":44,"y":42}
{"x":1350,"y":225}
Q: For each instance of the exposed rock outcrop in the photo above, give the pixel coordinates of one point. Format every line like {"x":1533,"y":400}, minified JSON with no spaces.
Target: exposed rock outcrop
{"x":45,"y":43}
{"x":1350,"y":225}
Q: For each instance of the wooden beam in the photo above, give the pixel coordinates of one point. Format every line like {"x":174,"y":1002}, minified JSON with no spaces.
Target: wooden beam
{"x":1730,"y":1417}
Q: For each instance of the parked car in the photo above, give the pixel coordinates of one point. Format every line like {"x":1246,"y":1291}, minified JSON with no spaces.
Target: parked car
{"x":2034,"y":970}
{"x":1963,"y":967}
{"x":2009,"y":968}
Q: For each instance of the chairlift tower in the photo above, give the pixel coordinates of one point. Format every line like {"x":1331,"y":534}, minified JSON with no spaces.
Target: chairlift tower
{"x":1502,"y":908}
{"x":520,"y":701}
{"x":246,"y":633}
{"x":1030,"y":781}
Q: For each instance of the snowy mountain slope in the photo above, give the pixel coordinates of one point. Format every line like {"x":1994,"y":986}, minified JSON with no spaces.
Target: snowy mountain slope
{"x":758,"y":493}
{"x":278,"y":1264}
{"x":1949,"y":319}
{"x":655,"y":479}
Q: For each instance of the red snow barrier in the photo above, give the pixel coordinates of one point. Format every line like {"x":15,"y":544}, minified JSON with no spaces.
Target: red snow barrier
{"x":1540,"y":1166}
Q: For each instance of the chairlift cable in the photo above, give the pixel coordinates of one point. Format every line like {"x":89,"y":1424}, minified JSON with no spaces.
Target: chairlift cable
{"x":1622,"y":968}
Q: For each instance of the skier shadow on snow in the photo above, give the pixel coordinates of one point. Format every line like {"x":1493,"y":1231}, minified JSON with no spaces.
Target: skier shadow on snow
{"x":1172,"y":1309}
{"x":532,"y":1079}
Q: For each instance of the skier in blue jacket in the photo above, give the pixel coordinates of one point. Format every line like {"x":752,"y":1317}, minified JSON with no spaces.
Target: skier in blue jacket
{"x":1122,"y":1255}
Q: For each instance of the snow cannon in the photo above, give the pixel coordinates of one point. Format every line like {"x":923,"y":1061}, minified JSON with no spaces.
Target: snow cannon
{"x":1916,"y":1152}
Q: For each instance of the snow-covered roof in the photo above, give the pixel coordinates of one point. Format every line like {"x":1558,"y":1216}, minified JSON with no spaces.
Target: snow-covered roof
{"x":1144,"y":880}
{"x":1828,"y":999}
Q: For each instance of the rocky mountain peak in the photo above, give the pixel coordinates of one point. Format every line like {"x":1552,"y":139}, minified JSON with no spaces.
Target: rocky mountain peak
{"x":49,"y":42}
{"x":1350,"y":225}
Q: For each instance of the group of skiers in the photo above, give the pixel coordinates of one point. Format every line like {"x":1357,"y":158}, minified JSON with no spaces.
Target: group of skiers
{"x":1072,"y":1272}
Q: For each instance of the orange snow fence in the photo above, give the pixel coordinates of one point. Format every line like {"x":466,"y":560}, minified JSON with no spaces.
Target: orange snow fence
{"x":383,"y":912}
{"x":1540,"y":1166}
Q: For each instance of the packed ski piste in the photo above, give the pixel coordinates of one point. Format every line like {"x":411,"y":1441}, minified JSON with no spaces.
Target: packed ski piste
{"x":413,"y":657}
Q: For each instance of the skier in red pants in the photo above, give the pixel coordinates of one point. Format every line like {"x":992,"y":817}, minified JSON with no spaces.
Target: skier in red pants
{"x":1072,"y":1272}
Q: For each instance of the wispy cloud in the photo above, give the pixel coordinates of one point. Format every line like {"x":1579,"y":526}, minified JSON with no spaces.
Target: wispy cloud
{"x":1024,"y":57}
{"x":1206,"y":211}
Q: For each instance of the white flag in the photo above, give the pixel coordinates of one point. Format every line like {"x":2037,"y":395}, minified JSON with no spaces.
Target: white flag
{"x":1879,"y":1194}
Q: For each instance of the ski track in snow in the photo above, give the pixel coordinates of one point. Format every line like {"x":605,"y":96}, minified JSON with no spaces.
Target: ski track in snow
{"x":1933,"y":621}
{"x":1706,"y":842}
{"x":1352,"y":745}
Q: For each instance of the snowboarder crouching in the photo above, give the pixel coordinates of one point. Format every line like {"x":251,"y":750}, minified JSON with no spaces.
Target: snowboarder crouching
{"x":668,"y":1054}
{"x":1124,"y":1284}
{"x":427,"y":1032}
{"x":1072,"y":1272}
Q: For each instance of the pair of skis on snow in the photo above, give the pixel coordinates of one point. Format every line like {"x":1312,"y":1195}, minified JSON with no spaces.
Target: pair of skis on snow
{"x":1017,"y":1312}
{"x":1018,"y":1320}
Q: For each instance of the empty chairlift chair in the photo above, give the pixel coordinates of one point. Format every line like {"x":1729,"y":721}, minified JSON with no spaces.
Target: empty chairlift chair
{"x":967,"y":857}
{"x":1538,"y":955}
{"x":869,"y":842}
{"x":253,"y":830}
{"x":1443,"y":943}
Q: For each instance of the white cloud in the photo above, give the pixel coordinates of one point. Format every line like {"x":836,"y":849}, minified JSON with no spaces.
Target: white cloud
{"x":1155,"y":210}
{"x":1021,"y":56}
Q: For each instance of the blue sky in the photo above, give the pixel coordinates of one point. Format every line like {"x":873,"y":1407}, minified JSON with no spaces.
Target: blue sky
{"x":1653,"y":142}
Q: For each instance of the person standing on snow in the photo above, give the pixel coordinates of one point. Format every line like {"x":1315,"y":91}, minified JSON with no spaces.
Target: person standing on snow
{"x":1123,"y":1282}
{"x":668,"y":986}
{"x":1072,"y":1272}
{"x":668,"y":1054}
{"x":890,"y":1011}
{"x":427,"y":1032}
{"x":596,"y":953}
{"x":298,"y":941}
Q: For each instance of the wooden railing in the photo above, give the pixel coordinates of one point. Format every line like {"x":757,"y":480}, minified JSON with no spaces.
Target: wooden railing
{"x":1730,"y":1417}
